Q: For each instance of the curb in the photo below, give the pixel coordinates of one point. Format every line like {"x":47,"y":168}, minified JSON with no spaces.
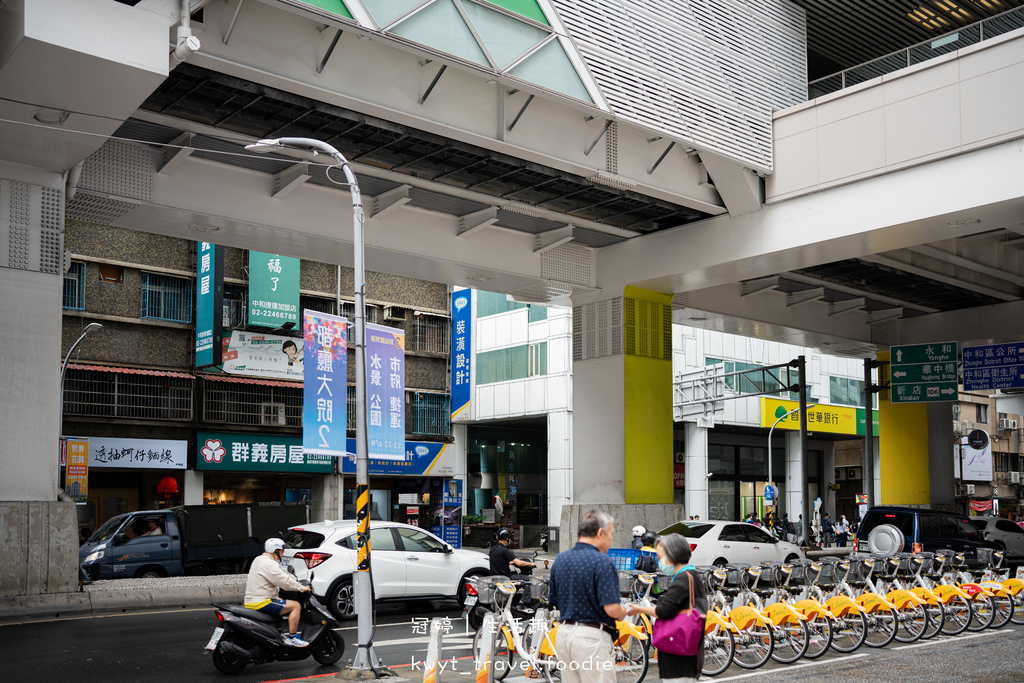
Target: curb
{"x":55,"y":605}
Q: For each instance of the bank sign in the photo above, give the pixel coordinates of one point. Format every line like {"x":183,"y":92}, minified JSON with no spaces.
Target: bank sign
{"x":220,"y":451}
{"x":821,"y":417}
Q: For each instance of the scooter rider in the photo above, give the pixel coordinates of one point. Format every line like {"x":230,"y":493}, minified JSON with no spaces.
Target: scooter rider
{"x":266,"y":576}
{"x":638,"y":532}
{"x":502,"y":557}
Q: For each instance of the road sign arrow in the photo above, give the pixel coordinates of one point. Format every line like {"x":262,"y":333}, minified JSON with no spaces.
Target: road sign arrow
{"x":949,"y":391}
{"x":899,"y":374}
{"x":899,"y":356}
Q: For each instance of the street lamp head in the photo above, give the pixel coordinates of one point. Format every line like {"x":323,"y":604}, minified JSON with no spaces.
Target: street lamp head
{"x":264,"y":146}
{"x":92,"y":327}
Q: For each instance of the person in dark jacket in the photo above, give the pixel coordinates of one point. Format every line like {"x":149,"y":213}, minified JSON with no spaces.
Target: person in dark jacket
{"x":674,"y":560}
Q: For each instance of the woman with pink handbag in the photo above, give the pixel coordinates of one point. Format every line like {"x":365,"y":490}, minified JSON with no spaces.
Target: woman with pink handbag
{"x":679,"y":630}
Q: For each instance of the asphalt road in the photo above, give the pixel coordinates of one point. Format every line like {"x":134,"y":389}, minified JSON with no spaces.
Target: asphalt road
{"x":157,"y":647}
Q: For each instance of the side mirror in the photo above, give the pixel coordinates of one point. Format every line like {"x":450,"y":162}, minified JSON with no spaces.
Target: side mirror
{"x":448,"y":550}
{"x":120,"y":539}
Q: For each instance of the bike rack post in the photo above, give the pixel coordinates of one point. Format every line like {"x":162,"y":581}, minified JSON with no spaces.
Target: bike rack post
{"x":433,"y":651}
{"x":485,"y":664}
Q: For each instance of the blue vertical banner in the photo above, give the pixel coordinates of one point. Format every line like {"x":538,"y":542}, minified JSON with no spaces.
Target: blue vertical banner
{"x":385,"y":392}
{"x":209,"y":304}
{"x":446,"y":510}
{"x":325,"y":384}
{"x":462,"y":345}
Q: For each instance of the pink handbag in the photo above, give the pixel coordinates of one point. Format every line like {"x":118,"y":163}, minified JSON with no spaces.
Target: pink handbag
{"x":681,"y":634}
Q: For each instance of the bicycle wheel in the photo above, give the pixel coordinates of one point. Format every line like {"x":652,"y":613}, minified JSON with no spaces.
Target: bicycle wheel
{"x":1003,"y":607}
{"x":791,"y":640}
{"x":719,"y":649}
{"x":849,"y":632}
{"x":958,"y":612}
{"x":936,"y":620}
{"x":983,"y":612}
{"x":882,"y":626}
{"x":913,"y":623}
{"x":631,"y":661}
{"x":548,"y":667}
{"x":503,"y":654}
{"x":820,"y":628}
{"x":1018,"y":608}
{"x":754,"y":646}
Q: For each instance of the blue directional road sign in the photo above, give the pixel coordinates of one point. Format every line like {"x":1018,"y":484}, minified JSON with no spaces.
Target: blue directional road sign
{"x":997,"y":366}
{"x":923,"y":373}
{"x":769,"y":492}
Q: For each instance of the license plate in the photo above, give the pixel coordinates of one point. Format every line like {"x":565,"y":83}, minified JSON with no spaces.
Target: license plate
{"x":470,"y":601}
{"x":215,"y":638}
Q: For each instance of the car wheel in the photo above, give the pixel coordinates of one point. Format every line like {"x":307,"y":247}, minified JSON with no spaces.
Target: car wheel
{"x":342,"y":600}
{"x":150,"y":573}
{"x":720,"y":562}
{"x":792,"y":558}
{"x":1000,"y":546}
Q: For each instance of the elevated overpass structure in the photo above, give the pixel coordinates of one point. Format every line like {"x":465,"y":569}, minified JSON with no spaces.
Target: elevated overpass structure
{"x":648,"y":163}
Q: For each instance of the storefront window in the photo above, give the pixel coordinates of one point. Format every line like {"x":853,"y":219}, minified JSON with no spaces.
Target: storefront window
{"x":722,"y":500}
{"x":721,"y":459}
{"x":510,"y":464}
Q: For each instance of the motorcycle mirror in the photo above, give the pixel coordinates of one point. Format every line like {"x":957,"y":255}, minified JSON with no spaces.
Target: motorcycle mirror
{"x":311,"y":576}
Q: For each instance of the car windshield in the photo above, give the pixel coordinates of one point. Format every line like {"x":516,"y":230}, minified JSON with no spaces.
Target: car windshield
{"x":301,"y":539}
{"x":107,"y":530}
{"x":687,"y":529}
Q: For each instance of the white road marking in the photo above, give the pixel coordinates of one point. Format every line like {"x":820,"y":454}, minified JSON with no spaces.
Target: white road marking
{"x":792,"y":667}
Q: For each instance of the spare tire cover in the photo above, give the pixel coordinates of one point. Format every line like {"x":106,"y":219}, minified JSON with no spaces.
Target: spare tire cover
{"x":885,"y":539}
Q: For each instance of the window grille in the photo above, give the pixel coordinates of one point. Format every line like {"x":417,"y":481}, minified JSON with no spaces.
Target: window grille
{"x":166,"y":298}
{"x":74,"y":287}
{"x":351,"y":405}
{"x":318,"y":303}
{"x":373,"y":313}
{"x":251,"y":404}
{"x":431,"y":414}
{"x":91,"y":393}
{"x":235,"y":306}
{"x":430,"y":333}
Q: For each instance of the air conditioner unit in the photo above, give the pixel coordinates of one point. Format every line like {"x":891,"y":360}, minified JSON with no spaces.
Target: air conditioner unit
{"x":1014,"y":477}
{"x":958,"y":427}
{"x":272,"y":414}
{"x":968,"y":426}
{"x":970,"y":489}
{"x":395,"y":313}
{"x":1007,"y":423}
{"x":956,"y":411}
{"x":853,"y":473}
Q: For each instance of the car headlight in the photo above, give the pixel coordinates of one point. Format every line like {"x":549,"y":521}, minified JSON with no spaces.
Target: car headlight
{"x":94,"y":555}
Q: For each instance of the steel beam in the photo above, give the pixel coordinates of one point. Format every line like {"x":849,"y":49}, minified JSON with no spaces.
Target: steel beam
{"x":477,"y":221}
{"x":390,"y":201}
{"x":176,"y":151}
{"x":289,"y":179}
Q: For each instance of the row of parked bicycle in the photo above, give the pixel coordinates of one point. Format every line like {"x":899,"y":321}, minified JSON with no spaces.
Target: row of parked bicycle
{"x":775,"y":610}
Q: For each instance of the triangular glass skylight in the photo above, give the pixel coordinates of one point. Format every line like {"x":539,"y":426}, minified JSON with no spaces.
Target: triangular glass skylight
{"x":442,"y":27}
{"x":506,"y":38}
{"x":386,"y":11}
{"x":333,"y":6}
{"x":551,"y":68}
{"x":527,"y":8}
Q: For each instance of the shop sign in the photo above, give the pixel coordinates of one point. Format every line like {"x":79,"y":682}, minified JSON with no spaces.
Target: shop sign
{"x":325,"y":387}
{"x":446,"y":510}
{"x":975,"y":457}
{"x":679,"y":476}
{"x":220,"y":451}
{"x":273,"y":289}
{"x":462,"y":347}
{"x":209,"y":304}
{"x":154,"y":454}
{"x":76,"y":480}
{"x":385,"y":392}
{"x":422,"y":459}
{"x":263,"y":355}
{"x":821,"y":417}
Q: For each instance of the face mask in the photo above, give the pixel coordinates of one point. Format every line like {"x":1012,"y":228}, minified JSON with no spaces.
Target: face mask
{"x":665,"y":567}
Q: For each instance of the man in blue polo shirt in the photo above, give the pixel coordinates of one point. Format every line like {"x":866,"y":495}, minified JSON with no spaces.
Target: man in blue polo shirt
{"x":584,"y":585}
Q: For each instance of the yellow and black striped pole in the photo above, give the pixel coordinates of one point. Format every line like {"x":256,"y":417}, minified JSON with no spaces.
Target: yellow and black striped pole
{"x":363,"y":527}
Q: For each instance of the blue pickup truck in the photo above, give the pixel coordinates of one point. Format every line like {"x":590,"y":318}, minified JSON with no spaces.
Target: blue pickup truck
{"x":190,"y":539}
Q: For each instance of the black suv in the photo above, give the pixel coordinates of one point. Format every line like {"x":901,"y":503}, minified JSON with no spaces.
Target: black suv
{"x":888,"y":529}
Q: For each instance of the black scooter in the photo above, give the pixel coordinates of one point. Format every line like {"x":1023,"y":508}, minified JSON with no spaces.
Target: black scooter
{"x":475,"y":611}
{"x":244,"y":635}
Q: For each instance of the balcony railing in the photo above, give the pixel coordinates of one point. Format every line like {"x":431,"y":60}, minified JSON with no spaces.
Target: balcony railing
{"x":915,"y":54}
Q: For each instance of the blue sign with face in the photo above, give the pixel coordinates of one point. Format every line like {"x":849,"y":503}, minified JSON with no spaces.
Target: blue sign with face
{"x":462,"y":346}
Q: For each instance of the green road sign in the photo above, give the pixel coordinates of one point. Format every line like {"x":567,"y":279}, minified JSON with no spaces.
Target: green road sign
{"x":921,"y":373}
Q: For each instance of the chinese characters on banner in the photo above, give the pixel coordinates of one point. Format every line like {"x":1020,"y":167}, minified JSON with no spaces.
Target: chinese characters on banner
{"x":209,"y":302}
{"x":385,"y":392}
{"x":462,"y":331}
{"x":273,"y":289}
{"x":325,"y":384}
{"x":76,"y":481}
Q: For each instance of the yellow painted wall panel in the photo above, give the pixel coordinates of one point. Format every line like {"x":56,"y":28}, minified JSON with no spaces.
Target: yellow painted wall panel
{"x":903,"y":452}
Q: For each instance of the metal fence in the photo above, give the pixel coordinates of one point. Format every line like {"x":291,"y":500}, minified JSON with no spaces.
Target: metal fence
{"x":92,"y":393}
{"x":252,"y":404}
{"x":430,"y":333}
{"x":166,"y":298}
{"x":915,"y":54}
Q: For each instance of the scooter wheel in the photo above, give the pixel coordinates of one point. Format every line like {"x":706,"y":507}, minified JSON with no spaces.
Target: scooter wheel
{"x":476,"y":617}
{"x":225,"y":663}
{"x":329,"y":649}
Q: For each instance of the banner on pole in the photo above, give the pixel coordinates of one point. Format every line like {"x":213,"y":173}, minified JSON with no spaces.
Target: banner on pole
{"x":325,"y":384}
{"x":385,"y":392}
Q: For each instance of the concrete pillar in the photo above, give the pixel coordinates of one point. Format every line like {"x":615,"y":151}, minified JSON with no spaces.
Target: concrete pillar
{"x":696,"y":492}
{"x":327,"y":500}
{"x":461,"y":436}
{"x":560,"y":474}
{"x":941,"y":485}
{"x":193,"y":487}
{"x":903,"y":451}
{"x":794,"y":491}
{"x":599,"y":431}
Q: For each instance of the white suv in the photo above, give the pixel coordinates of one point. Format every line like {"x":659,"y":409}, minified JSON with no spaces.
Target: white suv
{"x":406,"y":563}
{"x":1006,"y":535}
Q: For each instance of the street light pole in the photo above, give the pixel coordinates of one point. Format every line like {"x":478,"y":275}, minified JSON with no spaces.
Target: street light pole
{"x":89,"y":329}
{"x":770,"y":430}
{"x":365,"y":658}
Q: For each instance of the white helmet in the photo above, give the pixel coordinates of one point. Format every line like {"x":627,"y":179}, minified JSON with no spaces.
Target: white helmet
{"x":638,"y":531}
{"x":273,"y":544}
